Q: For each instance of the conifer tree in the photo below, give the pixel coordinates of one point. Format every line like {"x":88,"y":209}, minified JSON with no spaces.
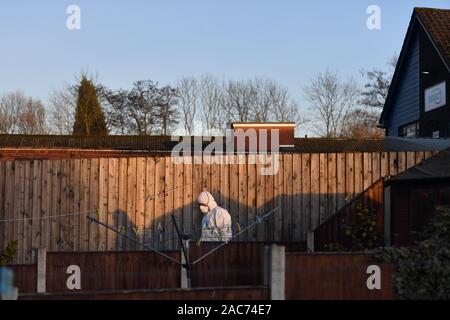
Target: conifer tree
{"x":89,"y":117}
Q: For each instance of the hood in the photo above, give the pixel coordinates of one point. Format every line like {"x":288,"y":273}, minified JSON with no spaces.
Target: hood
{"x":206,"y":198}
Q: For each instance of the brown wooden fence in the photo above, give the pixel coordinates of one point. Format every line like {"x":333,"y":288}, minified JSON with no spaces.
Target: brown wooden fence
{"x":335,"y":276}
{"x":113,"y":270}
{"x":43,"y":203}
{"x":25,"y":277}
{"x":236,"y":264}
{"x":333,"y":230}
{"x":232,"y":293}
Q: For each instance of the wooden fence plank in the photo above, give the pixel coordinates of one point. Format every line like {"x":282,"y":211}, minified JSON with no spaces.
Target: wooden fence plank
{"x":178,"y":201}
{"x":150,"y":231}
{"x":103,"y":203}
{"x":10,"y":168}
{"x":278,"y":195}
{"x":84,"y":203}
{"x":323,"y":186}
{"x":306,"y":196}
{"x":384,"y":164}
{"x":367,"y":170}
{"x":243,"y":195}
{"x":393,"y":163}
{"x":410,"y":159}
{"x":401,"y":162}
{"x":94,"y":203}
{"x":296,"y":197}
{"x":349,"y":177}
{"x":2,"y":204}
{"x":122,"y":214}
{"x":168,"y":204}
{"x":36,"y":196}
{"x":260,"y":195}
{"x":234,"y":192}
{"x":287,"y":198}
{"x":140,"y":199}
{"x":46,"y":202}
{"x":56,"y":205}
{"x":159,"y":200}
{"x":269,"y":223}
{"x":28,"y":212}
{"x":251,"y":196}
{"x":65,"y":206}
{"x":340,"y":171}
{"x":315,"y":190}
{"x":75,"y":182}
{"x":113,"y":202}
{"x":359,"y":175}
{"x":197,"y":189}
{"x":188,"y":196}
{"x":332,"y":185}
{"x":376,"y":166}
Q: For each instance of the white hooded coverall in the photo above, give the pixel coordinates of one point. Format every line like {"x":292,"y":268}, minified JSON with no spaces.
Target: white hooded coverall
{"x":216,"y":221}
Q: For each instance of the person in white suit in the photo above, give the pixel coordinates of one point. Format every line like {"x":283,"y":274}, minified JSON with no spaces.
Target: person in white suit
{"x":216,"y":221}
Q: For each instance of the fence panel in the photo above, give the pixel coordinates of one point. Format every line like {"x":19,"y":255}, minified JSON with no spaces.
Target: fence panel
{"x":335,"y":276}
{"x":45,"y":202}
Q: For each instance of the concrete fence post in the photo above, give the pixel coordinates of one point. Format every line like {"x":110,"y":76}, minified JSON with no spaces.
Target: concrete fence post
{"x":277,"y":272}
{"x":184,"y":275}
{"x":41,"y":269}
{"x":310,"y":241}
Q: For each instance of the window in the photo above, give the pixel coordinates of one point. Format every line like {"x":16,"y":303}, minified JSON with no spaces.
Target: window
{"x":409,"y":131}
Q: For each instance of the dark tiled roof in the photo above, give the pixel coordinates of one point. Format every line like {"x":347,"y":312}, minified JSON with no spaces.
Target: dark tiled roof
{"x":329,"y":145}
{"x":437,"y":23}
{"x":164,"y":144}
{"x":436,"y":167}
{"x":153,"y":143}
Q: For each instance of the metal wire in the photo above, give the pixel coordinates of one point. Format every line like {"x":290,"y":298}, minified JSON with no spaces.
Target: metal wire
{"x":236,"y":235}
{"x":90,"y":211}
{"x":134,"y":240}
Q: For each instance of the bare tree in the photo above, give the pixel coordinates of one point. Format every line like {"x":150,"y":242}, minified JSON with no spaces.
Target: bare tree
{"x":168,"y":116}
{"x":258,"y":100}
{"x":145,"y":109}
{"x":21,"y":114}
{"x":188,"y":102}
{"x":10,"y":104}
{"x":377,"y":86}
{"x":32,"y":118}
{"x":330,"y":100}
{"x":62,"y":104}
{"x":212,"y":100}
{"x":362,"y":124}
{"x":241,"y":100}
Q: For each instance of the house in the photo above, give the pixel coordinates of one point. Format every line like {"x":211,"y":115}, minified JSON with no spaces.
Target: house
{"x":417,"y":104}
{"x":413,"y":196}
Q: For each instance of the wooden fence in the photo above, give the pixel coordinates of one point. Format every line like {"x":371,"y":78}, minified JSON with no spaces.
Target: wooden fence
{"x":335,"y":276}
{"x":232,"y":293}
{"x":333,"y":230}
{"x":236,"y":264}
{"x":45,"y":202}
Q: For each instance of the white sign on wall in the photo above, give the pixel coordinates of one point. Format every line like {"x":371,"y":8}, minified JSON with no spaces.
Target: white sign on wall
{"x":435,"y":96}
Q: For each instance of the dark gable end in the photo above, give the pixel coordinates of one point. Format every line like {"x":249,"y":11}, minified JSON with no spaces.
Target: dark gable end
{"x":403,"y":101}
{"x":408,"y":65}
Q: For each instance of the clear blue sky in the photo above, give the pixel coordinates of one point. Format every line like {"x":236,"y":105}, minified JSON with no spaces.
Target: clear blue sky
{"x":124,"y":41}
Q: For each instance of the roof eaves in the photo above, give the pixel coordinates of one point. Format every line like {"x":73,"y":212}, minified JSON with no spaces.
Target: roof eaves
{"x":401,"y":58}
